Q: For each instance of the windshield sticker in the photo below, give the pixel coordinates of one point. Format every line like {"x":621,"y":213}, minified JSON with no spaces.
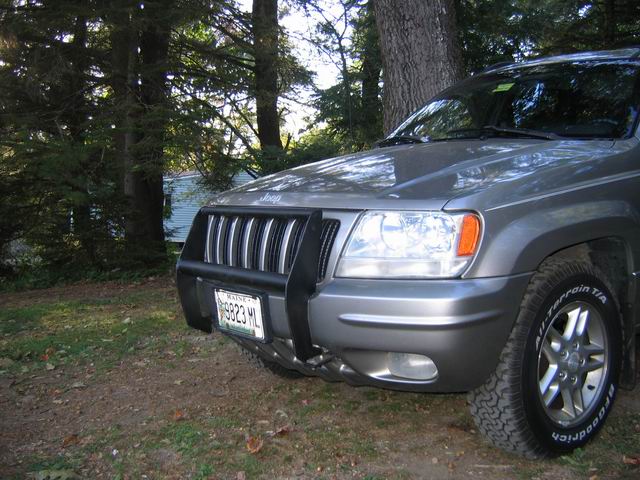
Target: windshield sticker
{"x":504,"y":87}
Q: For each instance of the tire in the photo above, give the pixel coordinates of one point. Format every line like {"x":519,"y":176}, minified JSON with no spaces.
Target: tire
{"x":577,"y":373}
{"x":275,"y":368}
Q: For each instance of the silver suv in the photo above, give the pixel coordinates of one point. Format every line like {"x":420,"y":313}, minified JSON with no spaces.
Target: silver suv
{"x":490,"y":244}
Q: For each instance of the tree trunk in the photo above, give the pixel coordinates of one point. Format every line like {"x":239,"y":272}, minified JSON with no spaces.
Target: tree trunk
{"x":420,"y":54}
{"x":609,"y":27}
{"x":124,"y":57}
{"x":139,"y":80}
{"x":154,"y":50}
{"x":371,"y":69}
{"x":265,"y":34}
{"x":75,"y":116}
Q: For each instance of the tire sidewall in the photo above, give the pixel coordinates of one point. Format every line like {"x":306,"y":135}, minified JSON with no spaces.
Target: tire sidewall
{"x":579,"y":287}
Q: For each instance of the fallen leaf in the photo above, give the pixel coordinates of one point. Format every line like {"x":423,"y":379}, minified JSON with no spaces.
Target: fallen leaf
{"x":126,"y":320}
{"x":178,"y":382}
{"x":305,"y":402}
{"x":50,"y":351}
{"x":630,"y":460}
{"x":179,"y":415}
{"x":434,"y":460}
{"x":283,"y":430}
{"x":70,"y":440}
{"x":44,"y":357}
{"x":50,"y":366}
{"x":78,"y":385}
{"x":254,"y":444}
{"x":241,"y":476}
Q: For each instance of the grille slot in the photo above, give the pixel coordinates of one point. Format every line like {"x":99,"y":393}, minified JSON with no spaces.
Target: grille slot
{"x":265,"y":244}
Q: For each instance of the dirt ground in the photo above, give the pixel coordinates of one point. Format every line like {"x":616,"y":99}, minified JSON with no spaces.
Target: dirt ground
{"x":181,"y":404}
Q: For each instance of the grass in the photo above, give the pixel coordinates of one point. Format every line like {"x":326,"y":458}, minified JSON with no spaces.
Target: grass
{"x":619,"y":437}
{"x":96,"y":330}
{"x":332,"y":430}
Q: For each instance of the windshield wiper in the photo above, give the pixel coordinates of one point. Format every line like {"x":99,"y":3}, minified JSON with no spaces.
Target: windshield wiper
{"x":523,"y":132}
{"x":401,"y":139}
{"x":520,"y":132}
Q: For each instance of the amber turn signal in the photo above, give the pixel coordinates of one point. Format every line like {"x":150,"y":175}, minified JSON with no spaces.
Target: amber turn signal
{"x":469,"y":235}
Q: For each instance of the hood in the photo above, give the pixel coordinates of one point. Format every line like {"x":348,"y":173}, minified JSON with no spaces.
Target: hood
{"x":433,"y":173}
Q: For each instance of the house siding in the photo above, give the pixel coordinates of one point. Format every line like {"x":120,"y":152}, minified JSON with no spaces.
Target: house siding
{"x":187,"y":197}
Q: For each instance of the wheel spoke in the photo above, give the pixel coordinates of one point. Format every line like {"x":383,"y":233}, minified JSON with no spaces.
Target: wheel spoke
{"x":593,"y":349}
{"x":567,"y":398}
{"x":551,"y":394}
{"x":555,"y":338}
{"x":578,"y":400}
{"x":594,"y":364}
{"x":583,"y":323}
{"x":548,"y":379}
{"x":572,"y":322}
{"x":550,"y":353}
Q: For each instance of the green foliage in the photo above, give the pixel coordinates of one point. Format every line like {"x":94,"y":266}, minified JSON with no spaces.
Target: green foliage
{"x":314,"y":145}
{"x":492,"y":31}
{"x":353,"y":131}
{"x":352,"y":108}
{"x":30,"y":274}
{"x":67,"y":120}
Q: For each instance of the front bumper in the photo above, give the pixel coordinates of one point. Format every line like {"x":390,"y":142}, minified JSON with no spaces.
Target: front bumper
{"x":462,"y":325}
{"x":344,"y":329}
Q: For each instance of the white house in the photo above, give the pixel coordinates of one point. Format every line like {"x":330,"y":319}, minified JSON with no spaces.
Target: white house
{"x":183,"y":196}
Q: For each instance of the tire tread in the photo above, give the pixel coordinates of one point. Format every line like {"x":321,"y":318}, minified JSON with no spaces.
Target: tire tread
{"x":497,"y":406}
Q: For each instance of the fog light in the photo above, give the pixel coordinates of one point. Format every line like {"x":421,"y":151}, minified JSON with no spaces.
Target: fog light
{"x":412,"y":366}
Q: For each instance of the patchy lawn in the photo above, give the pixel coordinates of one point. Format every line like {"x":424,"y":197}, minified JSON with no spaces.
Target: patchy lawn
{"x":105,"y":381}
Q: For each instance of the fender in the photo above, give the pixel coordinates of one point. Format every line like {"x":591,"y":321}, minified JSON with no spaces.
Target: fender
{"x":524,"y":243}
{"x":535,"y":233}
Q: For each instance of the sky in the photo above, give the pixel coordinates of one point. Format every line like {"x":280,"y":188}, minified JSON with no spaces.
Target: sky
{"x":298,"y":25}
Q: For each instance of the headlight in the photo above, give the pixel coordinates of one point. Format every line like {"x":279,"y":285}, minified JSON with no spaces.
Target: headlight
{"x":410,"y":245}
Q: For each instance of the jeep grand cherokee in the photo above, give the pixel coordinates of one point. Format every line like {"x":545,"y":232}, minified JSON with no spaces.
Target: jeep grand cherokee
{"x":490,"y":244}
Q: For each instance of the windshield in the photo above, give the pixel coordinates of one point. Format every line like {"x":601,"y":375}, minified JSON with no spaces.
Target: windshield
{"x":586,"y":99}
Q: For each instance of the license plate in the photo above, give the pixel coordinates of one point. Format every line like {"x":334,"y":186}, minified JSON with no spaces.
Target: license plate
{"x":240,"y":313}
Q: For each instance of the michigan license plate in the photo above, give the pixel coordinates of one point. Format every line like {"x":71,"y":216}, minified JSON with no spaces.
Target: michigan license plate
{"x":240,"y":313}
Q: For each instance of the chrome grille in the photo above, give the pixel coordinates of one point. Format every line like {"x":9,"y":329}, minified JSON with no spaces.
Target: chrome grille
{"x":267,"y":244}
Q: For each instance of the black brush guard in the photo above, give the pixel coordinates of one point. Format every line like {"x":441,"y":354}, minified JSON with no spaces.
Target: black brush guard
{"x":298,"y":286}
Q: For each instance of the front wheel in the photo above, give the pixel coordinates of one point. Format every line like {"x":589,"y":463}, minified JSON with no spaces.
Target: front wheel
{"x":558,"y":374}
